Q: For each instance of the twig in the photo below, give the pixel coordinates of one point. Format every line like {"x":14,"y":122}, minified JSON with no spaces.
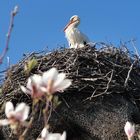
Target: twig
{"x":22,"y":137}
{"x":106,"y":87}
{"x":89,"y":79}
{"x":47,"y":111}
{"x":136,"y":51}
{"x":34,"y":111}
{"x":128,"y":74}
{"x":13,"y":14}
{"x":49,"y":114}
{"x":89,"y":98}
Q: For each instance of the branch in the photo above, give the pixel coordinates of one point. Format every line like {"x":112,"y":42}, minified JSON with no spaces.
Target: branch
{"x":128,"y":74}
{"x":107,"y":87}
{"x":136,"y":51}
{"x":13,"y":14}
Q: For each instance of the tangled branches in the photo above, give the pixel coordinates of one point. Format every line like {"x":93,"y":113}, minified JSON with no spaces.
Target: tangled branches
{"x":98,"y":72}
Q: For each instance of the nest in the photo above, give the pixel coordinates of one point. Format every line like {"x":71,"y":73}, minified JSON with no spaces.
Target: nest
{"x":98,"y":72}
{"x":95,"y":73}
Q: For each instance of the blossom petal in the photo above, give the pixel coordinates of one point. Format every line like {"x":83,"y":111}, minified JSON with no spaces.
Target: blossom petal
{"x":25,"y":90}
{"x":4,"y":122}
{"x":50,"y":75}
{"x":129,"y":129}
{"x":34,"y":80}
{"x":29,"y":84}
{"x":65,"y":84}
{"x":22,"y":112}
{"x":43,"y":89}
{"x":53,"y":136}
{"x":8,"y":109}
{"x":44,"y":133}
{"x":63,"y":136}
{"x":37,"y":79}
{"x":59,"y":79}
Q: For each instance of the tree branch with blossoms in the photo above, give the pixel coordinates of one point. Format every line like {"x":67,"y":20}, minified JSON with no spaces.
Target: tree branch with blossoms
{"x":39,"y":88}
{"x":13,"y":14}
{"x":16,"y":117}
{"x":44,"y":87}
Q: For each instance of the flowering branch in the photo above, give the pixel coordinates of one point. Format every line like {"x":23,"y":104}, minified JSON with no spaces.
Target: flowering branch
{"x":13,"y":14}
{"x":16,"y":117}
{"x":38,"y":87}
{"x":44,"y":87}
{"x":34,"y":111}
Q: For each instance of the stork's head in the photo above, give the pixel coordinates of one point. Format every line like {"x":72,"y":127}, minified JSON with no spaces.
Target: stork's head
{"x":74,"y":22}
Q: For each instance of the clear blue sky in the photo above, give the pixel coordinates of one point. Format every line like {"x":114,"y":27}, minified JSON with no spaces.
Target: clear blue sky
{"x":40,"y":22}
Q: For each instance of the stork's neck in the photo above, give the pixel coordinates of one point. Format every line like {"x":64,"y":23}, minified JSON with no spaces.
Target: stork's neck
{"x":71,"y":28}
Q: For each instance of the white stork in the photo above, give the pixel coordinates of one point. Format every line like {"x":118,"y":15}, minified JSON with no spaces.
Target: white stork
{"x":75,"y":37}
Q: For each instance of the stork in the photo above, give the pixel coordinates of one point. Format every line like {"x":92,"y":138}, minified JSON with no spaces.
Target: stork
{"x":75,"y":37}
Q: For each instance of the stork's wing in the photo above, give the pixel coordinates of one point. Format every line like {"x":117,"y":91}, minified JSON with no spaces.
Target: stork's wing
{"x":81,"y":37}
{"x":76,"y":37}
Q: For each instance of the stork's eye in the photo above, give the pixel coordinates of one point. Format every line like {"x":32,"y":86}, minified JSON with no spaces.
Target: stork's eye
{"x":72,"y":19}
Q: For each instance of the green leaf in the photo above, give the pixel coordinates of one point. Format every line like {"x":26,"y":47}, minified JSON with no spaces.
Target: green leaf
{"x":29,"y":65}
{"x":56,"y":101}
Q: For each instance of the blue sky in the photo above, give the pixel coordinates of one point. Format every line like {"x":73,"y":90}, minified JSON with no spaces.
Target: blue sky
{"x":40,"y":23}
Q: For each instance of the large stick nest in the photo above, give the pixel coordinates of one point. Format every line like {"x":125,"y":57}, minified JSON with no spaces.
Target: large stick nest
{"x":98,"y":72}
{"x":95,"y":73}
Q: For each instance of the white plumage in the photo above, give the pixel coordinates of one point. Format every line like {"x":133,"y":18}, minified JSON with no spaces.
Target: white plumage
{"x":75,"y":37}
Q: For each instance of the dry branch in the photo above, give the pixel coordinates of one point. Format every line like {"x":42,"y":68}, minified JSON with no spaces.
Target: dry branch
{"x":13,"y":14}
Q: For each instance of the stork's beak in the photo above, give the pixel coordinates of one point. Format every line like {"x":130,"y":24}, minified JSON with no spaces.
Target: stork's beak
{"x":67,"y":25}
{"x":71,"y":21}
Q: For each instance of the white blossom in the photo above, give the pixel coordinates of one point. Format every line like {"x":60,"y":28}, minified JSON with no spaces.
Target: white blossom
{"x":50,"y":82}
{"x":45,"y":135}
{"x":54,"y":81}
{"x":129,"y":129}
{"x":33,"y":87}
{"x":17,"y":115}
